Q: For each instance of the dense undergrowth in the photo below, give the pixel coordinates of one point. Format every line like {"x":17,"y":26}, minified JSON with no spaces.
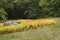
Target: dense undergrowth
{"x":25,"y":24}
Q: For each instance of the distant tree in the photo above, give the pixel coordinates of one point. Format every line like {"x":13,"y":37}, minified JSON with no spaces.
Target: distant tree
{"x":3,"y":5}
{"x":2,"y":14}
{"x":29,"y":9}
{"x":50,"y":8}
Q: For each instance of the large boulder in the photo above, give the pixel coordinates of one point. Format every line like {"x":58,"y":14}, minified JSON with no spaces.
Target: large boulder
{"x":9,"y":23}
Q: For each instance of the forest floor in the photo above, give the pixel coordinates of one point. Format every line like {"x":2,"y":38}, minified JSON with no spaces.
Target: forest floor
{"x":48,"y":32}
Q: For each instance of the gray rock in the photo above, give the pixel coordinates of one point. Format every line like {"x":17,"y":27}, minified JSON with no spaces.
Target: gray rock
{"x":9,"y":23}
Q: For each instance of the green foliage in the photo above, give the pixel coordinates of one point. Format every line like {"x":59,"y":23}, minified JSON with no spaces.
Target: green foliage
{"x":33,"y":9}
{"x":30,"y":8}
{"x":2,"y":14}
{"x":4,"y":4}
{"x":50,"y":8}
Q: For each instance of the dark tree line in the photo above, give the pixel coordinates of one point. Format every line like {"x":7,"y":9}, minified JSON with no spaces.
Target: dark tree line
{"x":32,"y":9}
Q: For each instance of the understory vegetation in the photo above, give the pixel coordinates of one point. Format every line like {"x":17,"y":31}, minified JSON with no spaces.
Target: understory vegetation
{"x":46,"y":32}
{"x":25,"y":24}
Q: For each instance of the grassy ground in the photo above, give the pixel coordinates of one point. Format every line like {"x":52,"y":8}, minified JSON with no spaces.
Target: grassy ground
{"x":50,"y":32}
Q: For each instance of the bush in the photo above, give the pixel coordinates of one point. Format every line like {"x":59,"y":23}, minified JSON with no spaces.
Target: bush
{"x":26,"y":25}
